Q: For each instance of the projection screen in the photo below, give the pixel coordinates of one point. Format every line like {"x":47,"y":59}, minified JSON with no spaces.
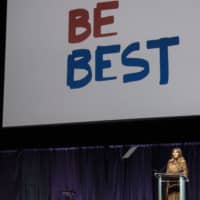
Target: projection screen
{"x":81,"y":61}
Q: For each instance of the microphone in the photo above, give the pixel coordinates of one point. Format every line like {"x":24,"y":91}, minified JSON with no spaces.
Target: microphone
{"x":160,"y":170}
{"x":163,"y":169}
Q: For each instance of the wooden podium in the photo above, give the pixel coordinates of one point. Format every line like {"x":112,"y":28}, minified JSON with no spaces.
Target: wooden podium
{"x":167,"y":178}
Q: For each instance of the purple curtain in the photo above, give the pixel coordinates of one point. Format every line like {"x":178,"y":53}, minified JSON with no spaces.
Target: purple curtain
{"x":90,"y":173}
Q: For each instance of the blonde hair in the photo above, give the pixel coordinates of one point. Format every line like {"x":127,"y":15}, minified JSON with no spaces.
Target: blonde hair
{"x":178,"y":150}
{"x":180,"y":157}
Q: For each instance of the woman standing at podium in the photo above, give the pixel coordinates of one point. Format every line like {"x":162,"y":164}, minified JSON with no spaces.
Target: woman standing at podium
{"x":176,"y":165}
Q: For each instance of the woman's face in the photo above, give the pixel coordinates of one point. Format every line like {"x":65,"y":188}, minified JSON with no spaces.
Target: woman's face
{"x":175,"y":154}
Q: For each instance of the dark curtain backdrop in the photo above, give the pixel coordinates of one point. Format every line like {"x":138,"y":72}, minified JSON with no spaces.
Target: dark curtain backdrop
{"x":91,"y":173}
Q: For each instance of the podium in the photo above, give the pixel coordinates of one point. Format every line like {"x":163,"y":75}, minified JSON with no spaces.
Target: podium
{"x":167,"y":178}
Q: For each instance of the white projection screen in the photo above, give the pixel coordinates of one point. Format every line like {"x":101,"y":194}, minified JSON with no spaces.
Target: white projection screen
{"x":72,"y":61}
